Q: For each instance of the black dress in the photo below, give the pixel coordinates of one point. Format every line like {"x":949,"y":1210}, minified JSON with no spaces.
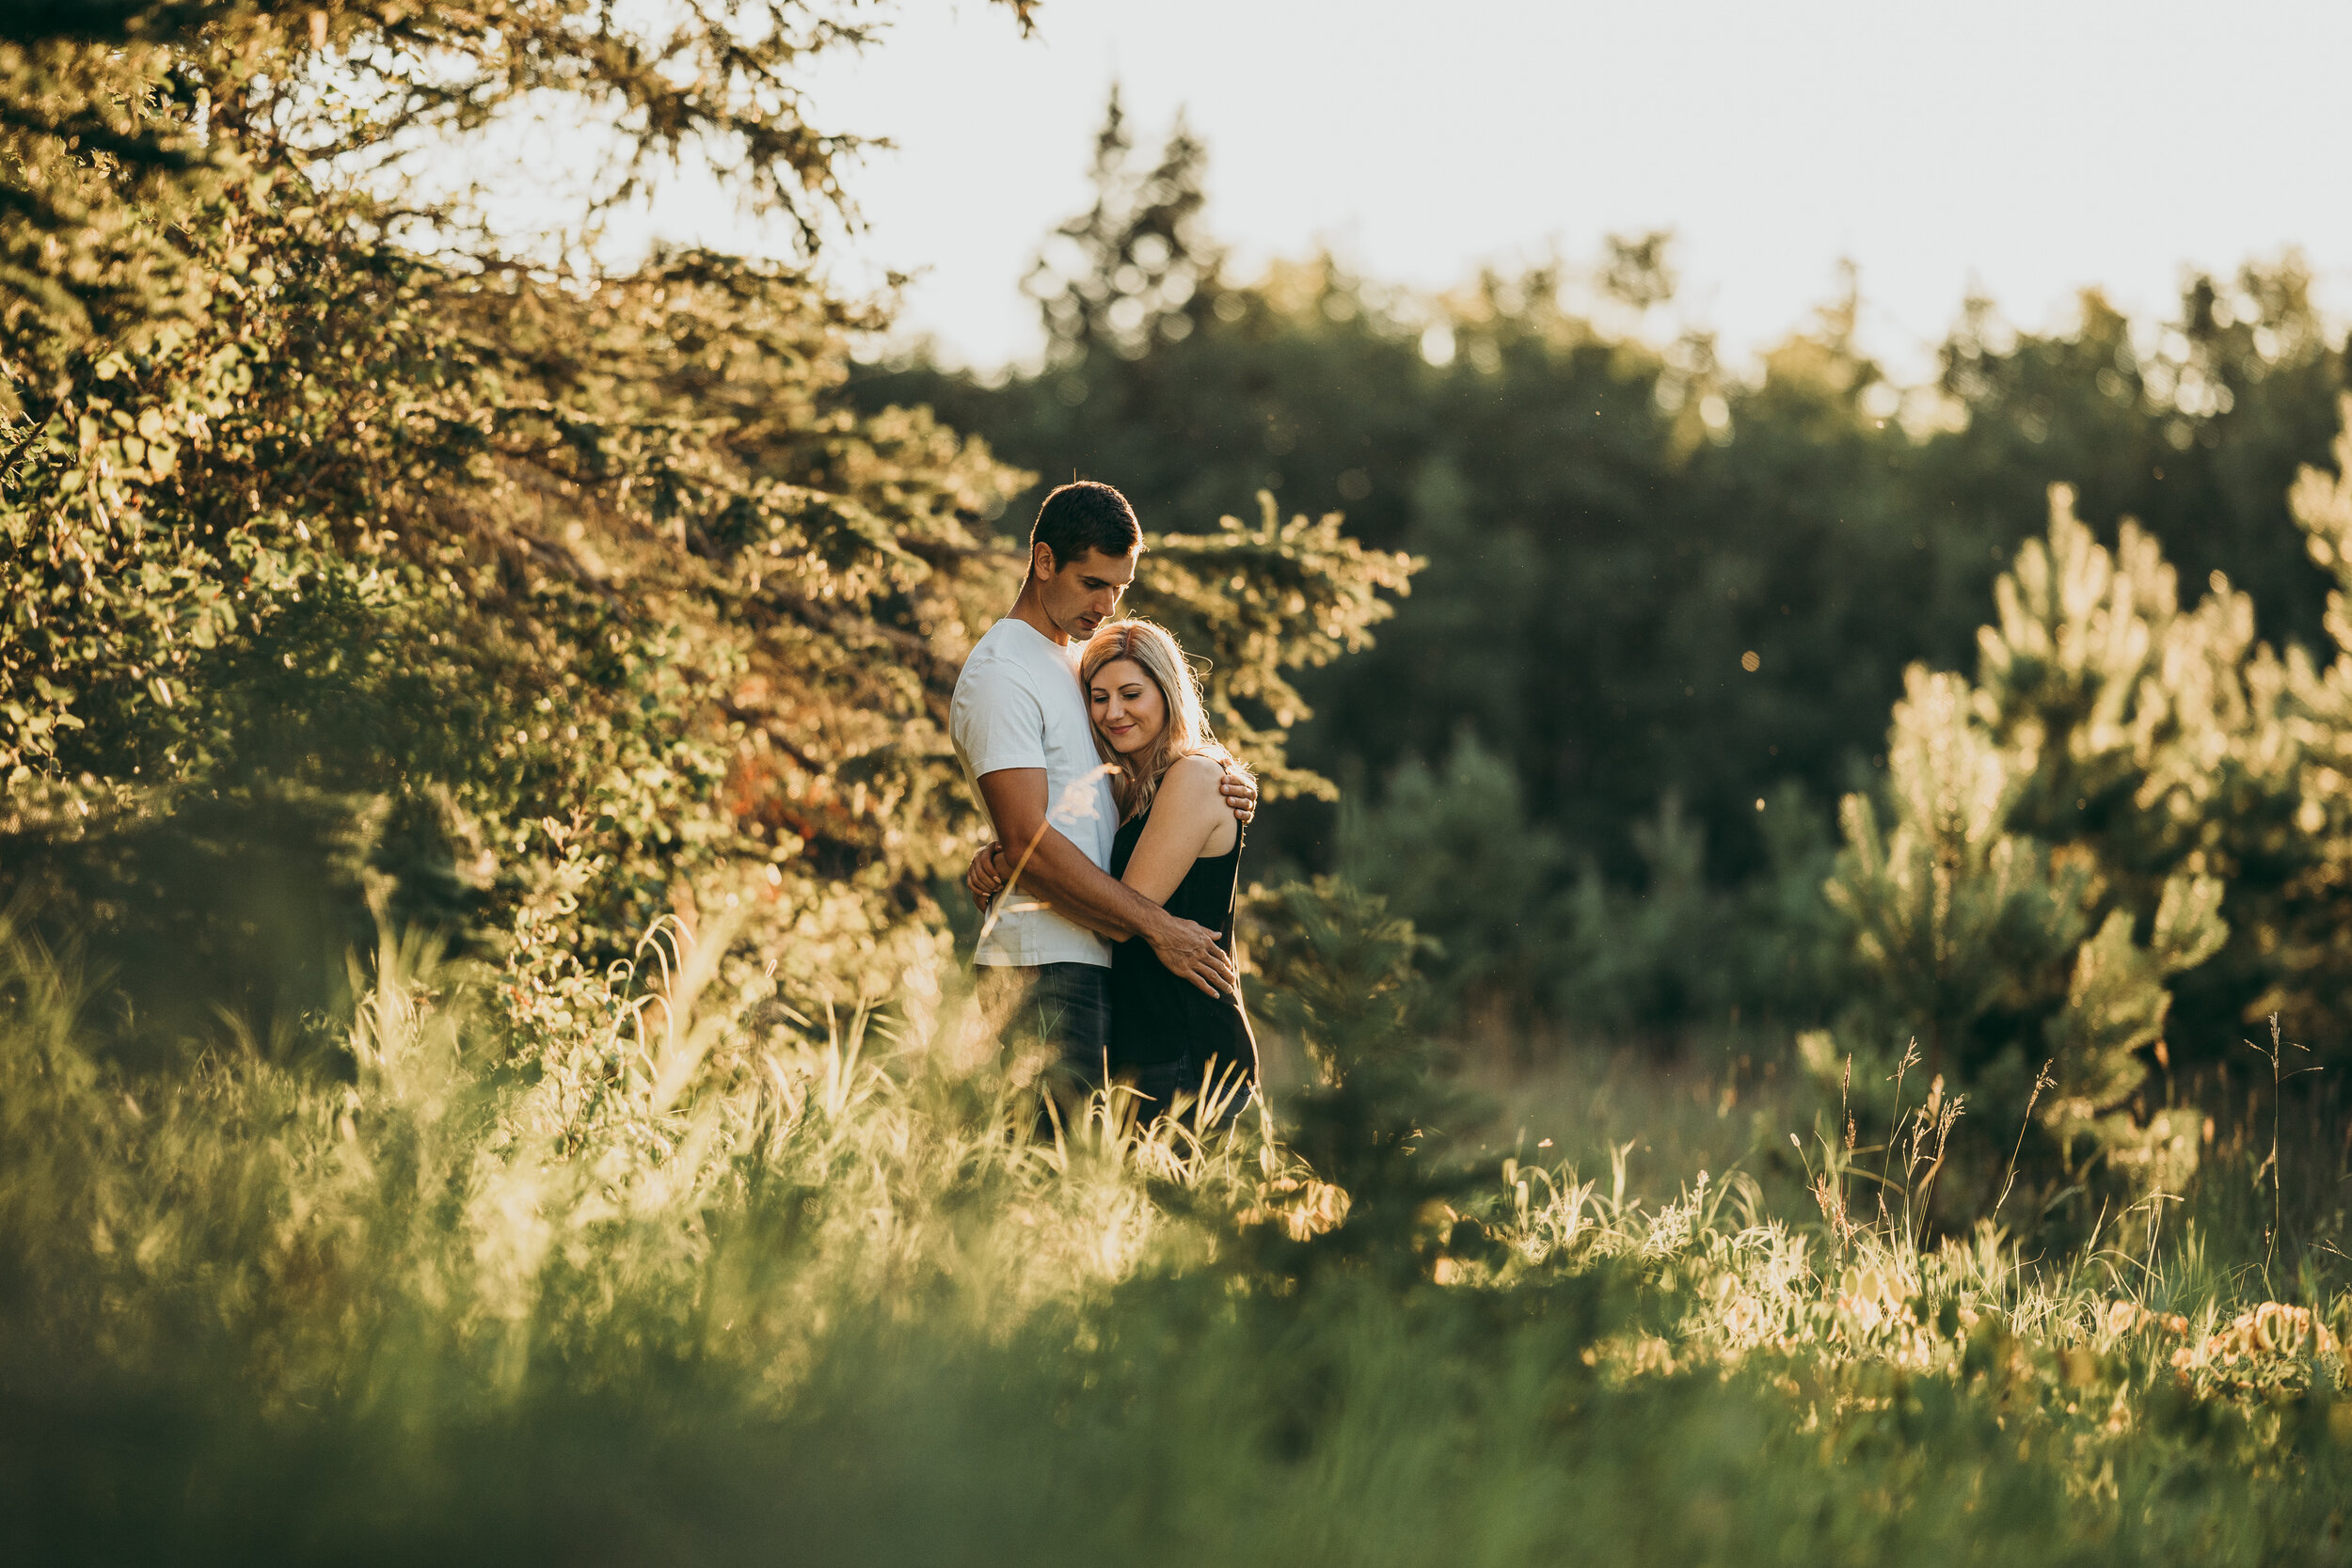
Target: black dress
{"x":1164,"y":1028}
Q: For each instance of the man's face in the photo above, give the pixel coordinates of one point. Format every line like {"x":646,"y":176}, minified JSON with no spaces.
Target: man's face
{"x":1084,"y":594}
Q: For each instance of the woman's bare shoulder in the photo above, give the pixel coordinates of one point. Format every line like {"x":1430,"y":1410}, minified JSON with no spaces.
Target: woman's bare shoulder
{"x":1194,"y":775}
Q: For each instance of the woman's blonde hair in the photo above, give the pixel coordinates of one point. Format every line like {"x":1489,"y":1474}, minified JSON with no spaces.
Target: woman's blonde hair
{"x":1186,"y":731}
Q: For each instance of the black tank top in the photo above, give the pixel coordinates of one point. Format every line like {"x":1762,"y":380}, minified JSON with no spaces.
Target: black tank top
{"x":1158,"y":1018}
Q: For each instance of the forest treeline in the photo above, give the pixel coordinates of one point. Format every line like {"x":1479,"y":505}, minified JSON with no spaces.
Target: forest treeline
{"x":1668,"y":601}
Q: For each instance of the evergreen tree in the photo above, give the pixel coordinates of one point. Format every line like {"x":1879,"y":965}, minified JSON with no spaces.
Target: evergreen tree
{"x":1133,"y":268}
{"x":2132,"y":803}
{"x":1453,"y":851}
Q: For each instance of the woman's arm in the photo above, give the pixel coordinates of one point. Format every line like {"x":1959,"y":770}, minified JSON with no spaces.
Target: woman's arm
{"x":1081,"y":891}
{"x":1188,"y":814}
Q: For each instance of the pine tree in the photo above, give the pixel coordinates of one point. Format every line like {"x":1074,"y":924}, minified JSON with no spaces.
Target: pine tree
{"x":1137,"y":264}
{"x":2132,"y":803}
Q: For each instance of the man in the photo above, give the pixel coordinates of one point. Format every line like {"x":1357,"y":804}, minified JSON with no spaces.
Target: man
{"x":1020,"y":726}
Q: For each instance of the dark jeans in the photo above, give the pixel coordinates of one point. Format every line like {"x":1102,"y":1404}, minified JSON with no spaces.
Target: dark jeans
{"x":1065,"y":1007}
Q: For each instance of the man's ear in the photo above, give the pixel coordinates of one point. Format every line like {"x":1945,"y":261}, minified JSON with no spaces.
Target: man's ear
{"x":1041,"y":559}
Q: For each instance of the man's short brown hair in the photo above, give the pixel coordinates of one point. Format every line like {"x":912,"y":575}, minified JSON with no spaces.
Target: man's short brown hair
{"x":1082,"y":516}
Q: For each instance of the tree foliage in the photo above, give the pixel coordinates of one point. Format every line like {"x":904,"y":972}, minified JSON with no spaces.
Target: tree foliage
{"x":576,"y":598}
{"x":1257,"y":603}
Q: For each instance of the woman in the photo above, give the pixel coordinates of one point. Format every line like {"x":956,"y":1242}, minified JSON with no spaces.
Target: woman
{"x":1178,"y":846}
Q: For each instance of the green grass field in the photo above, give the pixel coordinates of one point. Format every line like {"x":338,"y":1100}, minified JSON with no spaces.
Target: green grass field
{"x":690,"y":1284}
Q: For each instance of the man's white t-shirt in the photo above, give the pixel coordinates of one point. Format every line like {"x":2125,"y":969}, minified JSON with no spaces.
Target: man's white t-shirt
{"x":1018,"y":705}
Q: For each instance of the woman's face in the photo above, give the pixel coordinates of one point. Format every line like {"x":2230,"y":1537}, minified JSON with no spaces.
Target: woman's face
{"x":1127,"y":706}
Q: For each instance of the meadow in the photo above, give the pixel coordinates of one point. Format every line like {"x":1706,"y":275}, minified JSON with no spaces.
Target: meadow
{"x":573,"y":642}
{"x":703,"y":1279}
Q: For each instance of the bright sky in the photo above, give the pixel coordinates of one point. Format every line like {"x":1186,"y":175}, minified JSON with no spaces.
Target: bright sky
{"x":2032,"y":146}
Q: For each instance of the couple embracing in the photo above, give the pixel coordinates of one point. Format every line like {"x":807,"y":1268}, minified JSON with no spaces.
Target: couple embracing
{"x":1118,"y":824}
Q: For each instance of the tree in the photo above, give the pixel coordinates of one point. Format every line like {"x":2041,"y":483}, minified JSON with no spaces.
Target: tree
{"x":2133,"y":804}
{"x":563,"y":600}
{"x":1129,"y":270}
{"x":1454,"y":852}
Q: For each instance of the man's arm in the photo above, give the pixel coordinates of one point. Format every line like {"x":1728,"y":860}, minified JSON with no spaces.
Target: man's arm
{"x":984,"y":877}
{"x":1060,"y":872}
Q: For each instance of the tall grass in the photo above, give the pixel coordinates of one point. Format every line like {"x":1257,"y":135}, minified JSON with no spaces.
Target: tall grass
{"x":706,"y":1280}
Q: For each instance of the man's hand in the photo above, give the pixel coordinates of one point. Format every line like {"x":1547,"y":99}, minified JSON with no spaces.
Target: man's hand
{"x":984,"y":878}
{"x":1240,"y":789}
{"x":1190,"y":951}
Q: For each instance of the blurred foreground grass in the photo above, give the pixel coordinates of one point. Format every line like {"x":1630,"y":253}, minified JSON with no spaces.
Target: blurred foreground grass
{"x":688,"y":1288}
